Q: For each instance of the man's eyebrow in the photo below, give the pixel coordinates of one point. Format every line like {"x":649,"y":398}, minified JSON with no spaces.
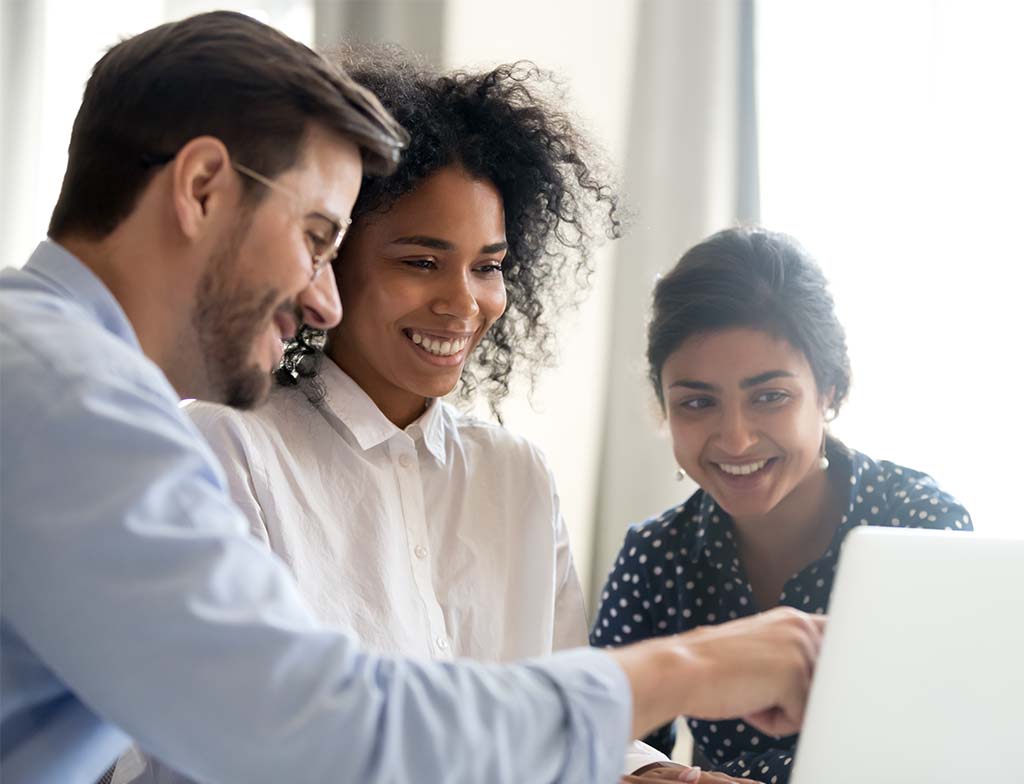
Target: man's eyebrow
{"x":328,"y":218}
{"x":754,"y":381}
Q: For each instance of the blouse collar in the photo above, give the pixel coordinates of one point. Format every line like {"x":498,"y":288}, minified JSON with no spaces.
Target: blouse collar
{"x":713,"y":524}
{"x":348,"y":403}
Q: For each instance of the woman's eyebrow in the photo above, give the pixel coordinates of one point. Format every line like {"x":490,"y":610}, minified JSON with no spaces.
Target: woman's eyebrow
{"x":753,"y":381}
{"x":424,"y":242}
{"x":702,"y":385}
{"x":746,"y":383}
{"x":437,"y":243}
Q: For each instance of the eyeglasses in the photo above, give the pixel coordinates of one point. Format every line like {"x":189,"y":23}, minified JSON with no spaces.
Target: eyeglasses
{"x":325,"y":242}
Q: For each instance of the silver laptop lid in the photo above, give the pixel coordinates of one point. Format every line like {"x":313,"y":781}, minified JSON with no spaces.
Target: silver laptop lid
{"x":921,"y":674}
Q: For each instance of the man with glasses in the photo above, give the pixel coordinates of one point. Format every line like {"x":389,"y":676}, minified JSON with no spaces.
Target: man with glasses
{"x":211,"y":172}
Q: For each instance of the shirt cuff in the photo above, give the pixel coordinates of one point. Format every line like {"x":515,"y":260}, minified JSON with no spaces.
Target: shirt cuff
{"x":640,"y":755}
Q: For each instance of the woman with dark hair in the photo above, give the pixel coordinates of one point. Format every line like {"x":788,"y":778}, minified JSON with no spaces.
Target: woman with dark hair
{"x":420,"y":529}
{"x":749,"y":364}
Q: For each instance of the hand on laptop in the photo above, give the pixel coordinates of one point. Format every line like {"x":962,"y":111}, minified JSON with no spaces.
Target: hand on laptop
{"x":757,"y":668}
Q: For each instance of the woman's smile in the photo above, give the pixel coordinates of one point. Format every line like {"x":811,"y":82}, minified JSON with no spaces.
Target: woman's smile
{"x":444,"y":349}
{"x":749,"y":475}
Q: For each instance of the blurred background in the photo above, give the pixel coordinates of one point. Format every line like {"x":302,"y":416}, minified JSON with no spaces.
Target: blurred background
{"x":885,"y":134}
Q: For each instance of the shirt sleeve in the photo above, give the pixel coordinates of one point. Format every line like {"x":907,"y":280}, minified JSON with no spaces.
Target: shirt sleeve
{"x":570,"y":613}
{"x":624,"y":617}
{"x":916,"y":501}
{"x":772,"y":766}
{"x":131,"y":575}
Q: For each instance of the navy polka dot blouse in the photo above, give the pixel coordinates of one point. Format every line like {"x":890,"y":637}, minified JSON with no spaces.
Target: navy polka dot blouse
{"x":682,"y":570}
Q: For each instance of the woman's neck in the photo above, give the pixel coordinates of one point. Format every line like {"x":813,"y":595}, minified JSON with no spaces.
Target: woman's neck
{"x":795,"y":533}
{"x":400,"y":406}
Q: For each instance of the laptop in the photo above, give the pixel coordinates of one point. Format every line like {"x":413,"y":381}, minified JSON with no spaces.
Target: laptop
{"x":921,"y":673}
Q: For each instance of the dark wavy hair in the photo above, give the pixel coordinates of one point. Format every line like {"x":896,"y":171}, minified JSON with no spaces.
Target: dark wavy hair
{"x":222,"y":74}
{"x":755,"y":278}
{"x":501,"y":126}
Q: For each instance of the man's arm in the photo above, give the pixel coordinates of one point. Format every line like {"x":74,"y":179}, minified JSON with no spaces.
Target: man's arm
{"x":133,"y":578}
{"x":130,"y":574}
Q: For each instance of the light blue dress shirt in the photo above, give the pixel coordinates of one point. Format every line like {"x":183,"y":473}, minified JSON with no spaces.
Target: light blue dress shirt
{"x":134,"y":602}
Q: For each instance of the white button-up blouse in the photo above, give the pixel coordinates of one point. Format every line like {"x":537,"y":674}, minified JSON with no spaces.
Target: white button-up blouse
{"x":441,"y":540}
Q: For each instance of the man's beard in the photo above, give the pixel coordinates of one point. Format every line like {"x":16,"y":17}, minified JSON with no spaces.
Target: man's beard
{"x":228,"y":320}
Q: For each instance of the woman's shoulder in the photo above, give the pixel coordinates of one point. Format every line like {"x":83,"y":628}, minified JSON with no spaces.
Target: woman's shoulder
{"x":676,"y":525}
{"x":258,"y":428}
{"x":903,"y":496}
{"x":501,"y":446}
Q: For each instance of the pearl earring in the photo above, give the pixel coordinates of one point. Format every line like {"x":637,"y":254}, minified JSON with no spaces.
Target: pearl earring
{"x":680,"y":475}
{"x":830,"y":414}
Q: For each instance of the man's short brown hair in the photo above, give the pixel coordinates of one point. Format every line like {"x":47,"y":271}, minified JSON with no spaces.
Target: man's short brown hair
{"x":220,"y":74}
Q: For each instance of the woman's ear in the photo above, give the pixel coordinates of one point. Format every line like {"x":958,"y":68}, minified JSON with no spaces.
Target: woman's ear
{"x":828,"y":404}
{"x":202,"y":182}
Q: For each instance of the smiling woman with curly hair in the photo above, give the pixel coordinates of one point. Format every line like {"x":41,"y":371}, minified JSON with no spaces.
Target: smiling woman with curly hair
{"x":422,"y":530}
{"x":497,"y":127}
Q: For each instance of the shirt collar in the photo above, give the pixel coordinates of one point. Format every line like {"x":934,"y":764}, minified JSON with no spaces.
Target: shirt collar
{"x":64,"y":271}
{"x":713,"y":523}
{"x":853,"y":465}
{"x":710,"y":523}
{"x":432,"y":427}
{"x":347,"y":401}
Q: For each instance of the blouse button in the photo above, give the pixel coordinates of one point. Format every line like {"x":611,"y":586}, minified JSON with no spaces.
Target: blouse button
{"x":421,"y":551}
{"x":405,"y":461}
{"x":442,"y":643}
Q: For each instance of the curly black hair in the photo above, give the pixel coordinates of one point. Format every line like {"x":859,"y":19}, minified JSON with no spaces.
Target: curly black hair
{"x":502,"y":126}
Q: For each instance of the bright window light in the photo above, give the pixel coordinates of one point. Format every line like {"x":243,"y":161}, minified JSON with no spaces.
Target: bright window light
{"x":891,"y":147}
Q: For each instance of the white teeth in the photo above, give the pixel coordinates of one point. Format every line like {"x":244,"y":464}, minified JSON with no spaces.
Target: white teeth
{"x":743,"y":469}
{"x":441,"y":348}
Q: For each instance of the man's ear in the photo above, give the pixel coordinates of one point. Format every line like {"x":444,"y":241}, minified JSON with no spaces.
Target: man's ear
{"x":203,"y":183}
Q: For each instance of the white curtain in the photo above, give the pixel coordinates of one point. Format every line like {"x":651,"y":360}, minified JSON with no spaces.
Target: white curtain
{"x":690,"y":170}
{"x":416,"y":25}
{"x":48,"y":50}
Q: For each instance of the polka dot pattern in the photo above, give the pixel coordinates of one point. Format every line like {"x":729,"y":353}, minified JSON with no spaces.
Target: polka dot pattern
{"x":682,"y":570}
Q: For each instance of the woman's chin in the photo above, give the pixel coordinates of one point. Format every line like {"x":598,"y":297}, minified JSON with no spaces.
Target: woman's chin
{"x":433,"y":387}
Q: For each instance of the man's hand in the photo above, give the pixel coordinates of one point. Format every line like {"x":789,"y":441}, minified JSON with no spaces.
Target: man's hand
{"x":756,"y":668}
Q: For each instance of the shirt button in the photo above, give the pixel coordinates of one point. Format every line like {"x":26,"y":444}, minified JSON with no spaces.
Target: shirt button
{"x":442,"y":643}
{"x":405,"y":461}
{"x":421,"y":551}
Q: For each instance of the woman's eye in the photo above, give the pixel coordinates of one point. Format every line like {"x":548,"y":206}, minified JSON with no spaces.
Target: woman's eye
{"x":696,"y":403}
{"x":773,"y":396}
{"x":492,"y":268}
{"x":421,"y":263}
